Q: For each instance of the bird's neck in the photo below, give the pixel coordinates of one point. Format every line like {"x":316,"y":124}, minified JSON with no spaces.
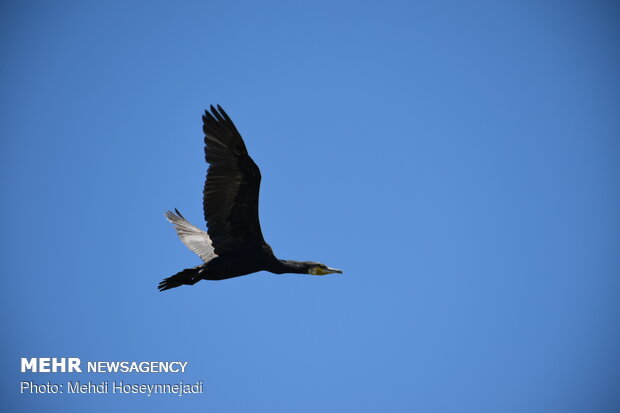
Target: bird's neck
{"x":284,"y":266}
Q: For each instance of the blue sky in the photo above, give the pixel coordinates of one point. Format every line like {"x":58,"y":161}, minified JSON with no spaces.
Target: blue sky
{"x":459,"y":160}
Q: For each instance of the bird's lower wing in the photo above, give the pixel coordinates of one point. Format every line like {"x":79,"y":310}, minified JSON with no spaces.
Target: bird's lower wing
{"x":195,"y":239}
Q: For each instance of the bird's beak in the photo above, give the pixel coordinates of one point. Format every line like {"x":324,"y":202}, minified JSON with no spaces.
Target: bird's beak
{"x":333,"y":271}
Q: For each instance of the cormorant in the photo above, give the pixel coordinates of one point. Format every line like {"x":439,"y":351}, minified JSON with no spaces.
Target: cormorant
{"x":233,"y":244}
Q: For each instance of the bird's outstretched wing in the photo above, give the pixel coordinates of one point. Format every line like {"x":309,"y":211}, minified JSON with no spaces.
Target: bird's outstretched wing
{"x":231,"y":190}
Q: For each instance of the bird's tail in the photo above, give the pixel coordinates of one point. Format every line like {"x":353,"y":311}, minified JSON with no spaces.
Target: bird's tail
{"x":188,"y":276}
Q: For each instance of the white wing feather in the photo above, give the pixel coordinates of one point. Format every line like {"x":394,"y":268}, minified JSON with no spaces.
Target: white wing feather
{"x":195,"y":239}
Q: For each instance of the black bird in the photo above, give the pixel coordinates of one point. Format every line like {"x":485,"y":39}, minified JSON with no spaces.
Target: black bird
{"x":233,"y":244}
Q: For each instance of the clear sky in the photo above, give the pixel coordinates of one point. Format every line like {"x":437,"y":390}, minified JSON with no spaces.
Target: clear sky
{"x":459,"y":160}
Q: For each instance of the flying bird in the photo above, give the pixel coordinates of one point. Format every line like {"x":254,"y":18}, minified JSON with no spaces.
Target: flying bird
{"x":233,"y":244}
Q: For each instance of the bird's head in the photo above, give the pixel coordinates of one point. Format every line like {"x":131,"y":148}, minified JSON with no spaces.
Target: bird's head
{"x":316,"y":268}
